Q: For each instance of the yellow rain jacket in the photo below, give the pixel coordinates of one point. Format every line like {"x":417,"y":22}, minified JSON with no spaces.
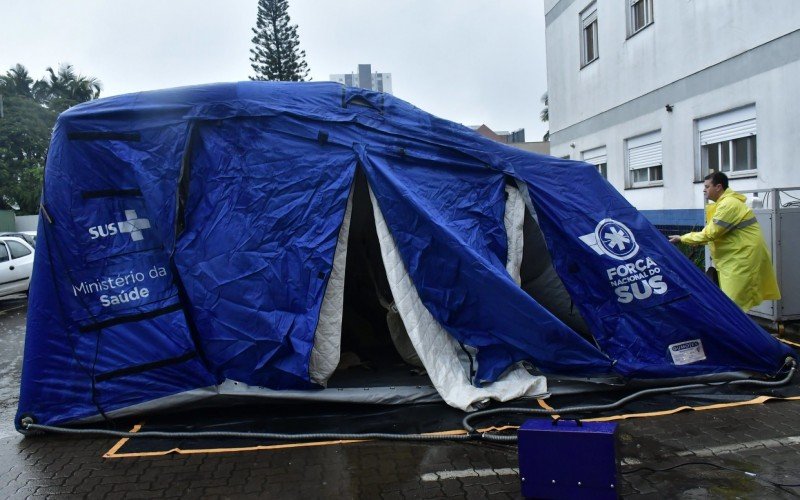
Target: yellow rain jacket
{"x":738,"y":249}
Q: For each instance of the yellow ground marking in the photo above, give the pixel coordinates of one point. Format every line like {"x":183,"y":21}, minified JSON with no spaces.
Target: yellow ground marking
{"x":112,"y":453}
{"x":756,"y":401}
{"x":546,"y":406}
{"x":794,"y":344}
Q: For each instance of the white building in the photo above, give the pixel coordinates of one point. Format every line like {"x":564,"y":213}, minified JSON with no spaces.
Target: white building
{"x":366,"y":79}
{"x":658,"y":92}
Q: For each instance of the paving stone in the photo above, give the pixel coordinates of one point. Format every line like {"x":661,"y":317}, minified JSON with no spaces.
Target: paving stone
{"x":451,"y":488}
{"x":144,"y":494}
{"x":120,"y":479}
{"x":387,"y":487}
{"x":432,"y":492}
{"x":474,"y":492}
{"x":392,"y":495}
{"x":104,"y":491}
{"x":476,"y":479}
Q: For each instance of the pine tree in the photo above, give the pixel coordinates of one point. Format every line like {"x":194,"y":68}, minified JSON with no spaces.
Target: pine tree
{"x":276,"y":55}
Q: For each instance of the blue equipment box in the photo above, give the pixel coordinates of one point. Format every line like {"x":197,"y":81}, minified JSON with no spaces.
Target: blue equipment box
{"x":568,"y":459}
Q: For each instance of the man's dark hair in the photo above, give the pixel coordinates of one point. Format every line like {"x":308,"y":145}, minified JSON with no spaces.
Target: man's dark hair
{"x":717,"y":178}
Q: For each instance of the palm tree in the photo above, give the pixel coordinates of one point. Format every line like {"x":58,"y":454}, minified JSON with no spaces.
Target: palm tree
{"x":66,"y":88}
{"x":544,"y":114}
{"x":17,"y":81}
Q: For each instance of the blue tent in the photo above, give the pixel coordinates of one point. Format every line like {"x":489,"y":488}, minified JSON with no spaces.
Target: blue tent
{"x":193,"y":242}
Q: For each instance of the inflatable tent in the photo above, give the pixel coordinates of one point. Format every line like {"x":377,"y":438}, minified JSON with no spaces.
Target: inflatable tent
{"x":254,"y":238}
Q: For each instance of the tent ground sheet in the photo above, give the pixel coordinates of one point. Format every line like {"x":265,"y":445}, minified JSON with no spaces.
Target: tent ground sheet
{"x":276,"y":417}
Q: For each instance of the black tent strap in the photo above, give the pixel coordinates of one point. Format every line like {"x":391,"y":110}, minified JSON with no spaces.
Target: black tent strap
{"x":104,"y":136}
{"x":184,"y":179}
{"x":107,"y":193}
{"x":131,"y":370}
{"x":130,"y":318}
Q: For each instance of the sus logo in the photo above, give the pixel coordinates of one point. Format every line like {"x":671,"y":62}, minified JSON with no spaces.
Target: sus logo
{"x":132,"y":225}
{"x":612,"y":238}
{"x":632,"y":280}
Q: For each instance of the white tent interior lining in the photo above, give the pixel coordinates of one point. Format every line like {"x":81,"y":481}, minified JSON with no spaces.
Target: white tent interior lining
{"x":447,"y":362}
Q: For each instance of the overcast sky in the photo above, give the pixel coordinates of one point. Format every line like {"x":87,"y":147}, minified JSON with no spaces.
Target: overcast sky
{"x":470,"y":61}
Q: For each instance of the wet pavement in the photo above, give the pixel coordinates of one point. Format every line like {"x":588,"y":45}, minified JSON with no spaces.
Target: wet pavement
{"x":762,"y":439}
{"x":12,"y":338}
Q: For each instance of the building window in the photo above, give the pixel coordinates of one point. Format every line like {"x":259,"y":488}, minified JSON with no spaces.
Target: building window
{"x":728,"y":143}
{"x":640,"y":15}
{"x":644,"y":160}
{"x":597,"y":157}
{"x":589,"y":45}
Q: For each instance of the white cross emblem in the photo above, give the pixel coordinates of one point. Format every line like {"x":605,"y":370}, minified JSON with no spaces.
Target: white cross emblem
{"x":616,"y":238}
{"x":134,"y":225}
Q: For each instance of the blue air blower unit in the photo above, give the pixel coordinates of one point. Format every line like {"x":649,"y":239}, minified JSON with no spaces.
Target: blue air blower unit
{"x":568,"y":459}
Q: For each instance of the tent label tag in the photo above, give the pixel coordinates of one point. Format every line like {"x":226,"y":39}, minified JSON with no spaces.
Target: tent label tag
{"x":687,"y":352}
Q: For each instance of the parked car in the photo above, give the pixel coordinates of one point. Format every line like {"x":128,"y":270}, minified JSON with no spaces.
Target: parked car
{"x":16,"y":265}
{"x":28,"y":236}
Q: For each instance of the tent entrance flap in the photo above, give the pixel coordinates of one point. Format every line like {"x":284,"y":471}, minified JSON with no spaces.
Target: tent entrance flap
{"x":375,"y":350}
{"x":449,"y":363}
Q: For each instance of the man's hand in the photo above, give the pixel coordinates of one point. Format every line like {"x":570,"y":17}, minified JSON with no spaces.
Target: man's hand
{"x":674,"y":239}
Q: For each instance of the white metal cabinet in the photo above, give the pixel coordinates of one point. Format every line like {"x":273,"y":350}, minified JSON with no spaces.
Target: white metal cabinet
{"x":779,"y":218}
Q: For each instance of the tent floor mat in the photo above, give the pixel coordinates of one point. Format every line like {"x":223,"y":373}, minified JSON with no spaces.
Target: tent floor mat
{"x":310,"y":417}
{"x":378,"y":375}
{"x":371,"y":383}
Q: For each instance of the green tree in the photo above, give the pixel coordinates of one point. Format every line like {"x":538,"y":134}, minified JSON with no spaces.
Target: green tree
{"x":29,"y":113}
{"x":65,"y":88}
{"x":25,"y":130}
{"x":276,"y":54}
{"x":17,"y":82}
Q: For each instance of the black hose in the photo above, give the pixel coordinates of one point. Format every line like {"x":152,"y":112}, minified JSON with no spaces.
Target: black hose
{"x":320,"y":436}
{"x":609,"y":406}
{"x":29,"y":426}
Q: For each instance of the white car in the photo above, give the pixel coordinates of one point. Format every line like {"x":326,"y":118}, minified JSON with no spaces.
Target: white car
{"x":28,"y":236}
{"x":16,"y":265}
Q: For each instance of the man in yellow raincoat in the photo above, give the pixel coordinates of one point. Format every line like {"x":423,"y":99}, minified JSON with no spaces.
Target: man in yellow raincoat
{"x":737,"y":246}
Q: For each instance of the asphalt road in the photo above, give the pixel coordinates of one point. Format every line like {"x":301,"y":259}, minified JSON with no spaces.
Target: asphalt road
{"x":763,"y":439}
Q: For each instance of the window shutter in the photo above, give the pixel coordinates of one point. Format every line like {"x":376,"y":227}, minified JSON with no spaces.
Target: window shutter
{"x":589,"y":15}
{"x":728,"y":132}
{"x":727,"y":126}
{"x":595,"y":156}
{"x":644,"y":151}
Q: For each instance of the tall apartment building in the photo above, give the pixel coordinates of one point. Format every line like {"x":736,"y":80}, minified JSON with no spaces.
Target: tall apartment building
{"x":658,"y":93}
{"x":366,"y":79}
